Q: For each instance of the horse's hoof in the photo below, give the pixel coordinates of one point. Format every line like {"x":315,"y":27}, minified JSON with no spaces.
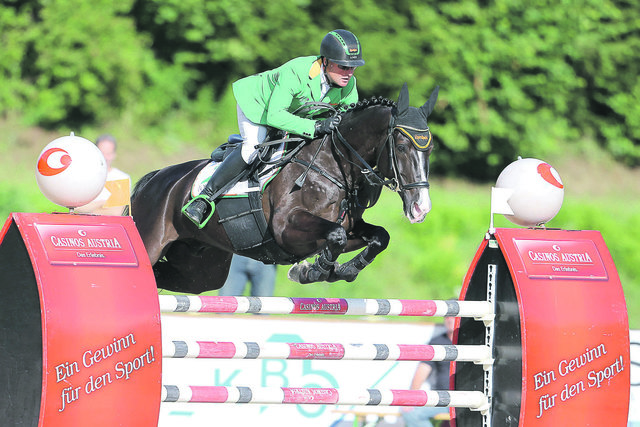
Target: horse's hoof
{"x":296,"y":270}
{"x":305,"y":272}
{"x":347,"y":272}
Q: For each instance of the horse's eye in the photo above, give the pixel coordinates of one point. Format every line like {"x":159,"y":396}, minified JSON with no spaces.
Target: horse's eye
{"x":401,"y":148}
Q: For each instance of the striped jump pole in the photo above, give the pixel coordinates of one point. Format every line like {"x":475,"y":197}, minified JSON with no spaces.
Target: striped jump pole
{"x":479,"y":310}
{"x":326,"y":351}
{"x":482,"y":311}
{"x":474,"y":400}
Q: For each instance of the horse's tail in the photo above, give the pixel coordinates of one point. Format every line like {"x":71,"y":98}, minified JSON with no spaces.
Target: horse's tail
{"x":139,"y":185}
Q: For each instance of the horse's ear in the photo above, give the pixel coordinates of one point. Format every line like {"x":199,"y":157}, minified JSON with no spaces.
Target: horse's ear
{"x":428,"y":106}
{"x":403,"y":99}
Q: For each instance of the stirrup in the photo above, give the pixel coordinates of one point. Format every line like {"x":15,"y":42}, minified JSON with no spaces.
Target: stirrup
{"x":212,"y":208}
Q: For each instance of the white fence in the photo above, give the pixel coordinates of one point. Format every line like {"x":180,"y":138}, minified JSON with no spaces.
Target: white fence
{"x":343,"y":374}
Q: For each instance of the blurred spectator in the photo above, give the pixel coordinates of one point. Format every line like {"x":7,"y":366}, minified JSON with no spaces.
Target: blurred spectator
{"x":243,"y":270}
{"x":436,"y":374}
{"x":116,"y":194}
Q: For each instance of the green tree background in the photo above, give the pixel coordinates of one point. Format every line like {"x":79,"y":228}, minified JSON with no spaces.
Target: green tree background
{"x":516,"y":77}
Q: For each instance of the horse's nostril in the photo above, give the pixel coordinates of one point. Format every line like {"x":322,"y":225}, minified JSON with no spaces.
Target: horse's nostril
{"x":418,"y":212}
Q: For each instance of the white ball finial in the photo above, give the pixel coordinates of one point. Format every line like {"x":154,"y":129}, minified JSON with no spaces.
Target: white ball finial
{"x":538,"y":191}
{"x":71,"y":171}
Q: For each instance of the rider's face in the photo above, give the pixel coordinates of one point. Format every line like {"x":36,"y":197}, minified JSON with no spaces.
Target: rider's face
{"x":339,"y":74}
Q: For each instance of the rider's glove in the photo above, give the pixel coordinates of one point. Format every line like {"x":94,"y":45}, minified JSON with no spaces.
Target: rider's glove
{"x":327,"y":126}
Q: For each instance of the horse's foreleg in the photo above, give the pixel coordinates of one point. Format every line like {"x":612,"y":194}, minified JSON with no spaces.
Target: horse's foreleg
{"x":321,"y":269}
{"x":375,"y":238}
{"x":316,"y":228}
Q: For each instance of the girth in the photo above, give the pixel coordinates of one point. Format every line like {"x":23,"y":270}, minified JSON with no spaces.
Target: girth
{"x":246,"y":226}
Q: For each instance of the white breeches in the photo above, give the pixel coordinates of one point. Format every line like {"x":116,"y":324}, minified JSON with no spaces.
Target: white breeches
{"x":252,"y":135}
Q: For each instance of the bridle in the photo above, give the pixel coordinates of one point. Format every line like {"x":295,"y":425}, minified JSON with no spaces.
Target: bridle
{"x":390,"y":144}
{"x":375,"y":177}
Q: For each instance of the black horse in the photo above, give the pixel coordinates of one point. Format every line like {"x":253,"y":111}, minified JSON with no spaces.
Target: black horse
{"x":313,"y":206}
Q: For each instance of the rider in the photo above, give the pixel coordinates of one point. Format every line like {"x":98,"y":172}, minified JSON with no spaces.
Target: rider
{"x":270,"y":98}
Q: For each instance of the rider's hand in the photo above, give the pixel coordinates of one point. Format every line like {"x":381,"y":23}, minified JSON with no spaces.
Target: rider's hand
{"x":327,"y":126}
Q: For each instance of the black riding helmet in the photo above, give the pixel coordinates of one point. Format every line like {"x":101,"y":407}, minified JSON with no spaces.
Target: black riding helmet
{"x":342,"y":47}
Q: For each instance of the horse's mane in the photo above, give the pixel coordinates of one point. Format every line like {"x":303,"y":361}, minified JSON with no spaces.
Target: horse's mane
{"x":373,"y":101}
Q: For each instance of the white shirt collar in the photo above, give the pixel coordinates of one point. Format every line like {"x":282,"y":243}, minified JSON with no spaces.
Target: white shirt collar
{"x":324,"y":86}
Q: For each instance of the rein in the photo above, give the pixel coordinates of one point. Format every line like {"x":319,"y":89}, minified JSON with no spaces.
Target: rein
{"x":368,"y":172}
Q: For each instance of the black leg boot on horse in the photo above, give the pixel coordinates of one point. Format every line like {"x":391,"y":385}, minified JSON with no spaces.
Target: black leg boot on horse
{"x":230,"y":168}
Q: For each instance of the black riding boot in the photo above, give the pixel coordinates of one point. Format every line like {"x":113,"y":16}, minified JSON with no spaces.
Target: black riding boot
{"x":230,"y":168}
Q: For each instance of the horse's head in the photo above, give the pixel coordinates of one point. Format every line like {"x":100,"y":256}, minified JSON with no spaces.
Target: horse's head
{"x":408,"y":150}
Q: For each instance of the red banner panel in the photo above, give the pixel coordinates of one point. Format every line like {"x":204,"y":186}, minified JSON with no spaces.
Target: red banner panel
{"x":561,"y":330}
{"x":99,"y":323}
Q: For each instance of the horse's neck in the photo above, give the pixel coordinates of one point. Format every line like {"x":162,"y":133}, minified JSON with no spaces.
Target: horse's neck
{"x":366,"y":132}
{"x":368,"y":129}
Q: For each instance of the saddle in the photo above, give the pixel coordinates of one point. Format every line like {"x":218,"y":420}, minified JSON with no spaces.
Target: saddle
{"x":240,"y":207}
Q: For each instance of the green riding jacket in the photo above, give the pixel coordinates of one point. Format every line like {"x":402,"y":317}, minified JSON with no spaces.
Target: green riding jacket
{"x":269,"y":98}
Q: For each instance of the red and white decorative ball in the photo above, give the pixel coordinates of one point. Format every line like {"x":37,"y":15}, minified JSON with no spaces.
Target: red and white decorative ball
{"x":538,"y":191}
{"x":71,"y":171}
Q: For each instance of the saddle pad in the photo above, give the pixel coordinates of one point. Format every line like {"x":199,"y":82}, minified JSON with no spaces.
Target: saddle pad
{"x":242,"y":188}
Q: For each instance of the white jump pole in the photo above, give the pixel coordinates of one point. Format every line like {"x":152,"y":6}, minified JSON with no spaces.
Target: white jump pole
{"x":480,"y":310}
{"x":325,"y":351}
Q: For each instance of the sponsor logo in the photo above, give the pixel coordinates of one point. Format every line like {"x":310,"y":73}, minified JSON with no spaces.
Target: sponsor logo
{"x":53,"y":161}
{"x":84,"y":242}
{"x":544,"y":169}
{"x":571,"y":259}
{"x":88,"y":244}
{"x":581,"y":258}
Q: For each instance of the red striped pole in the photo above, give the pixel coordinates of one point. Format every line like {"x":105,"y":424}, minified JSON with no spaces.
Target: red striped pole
{"x":482,"y":310}
{"x":325,"y":351}
{"x":475,"y":400}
